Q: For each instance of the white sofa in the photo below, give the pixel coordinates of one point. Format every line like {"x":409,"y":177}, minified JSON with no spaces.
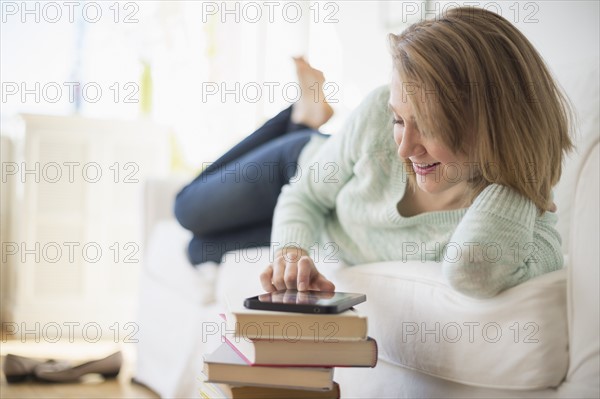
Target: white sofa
{"x":179,"y":308}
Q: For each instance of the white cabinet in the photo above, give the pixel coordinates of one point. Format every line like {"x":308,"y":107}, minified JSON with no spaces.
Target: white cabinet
{"x":73,"y":250}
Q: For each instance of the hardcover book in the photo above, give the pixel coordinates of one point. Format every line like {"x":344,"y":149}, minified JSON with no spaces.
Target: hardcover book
{"x":266,"y":352}
{"x":270,"y":325}
{"x":226,"y":391}
{"x":224,"y":365}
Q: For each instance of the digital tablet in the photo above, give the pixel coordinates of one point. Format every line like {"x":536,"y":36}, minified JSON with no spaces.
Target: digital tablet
{"x":305,"y":301}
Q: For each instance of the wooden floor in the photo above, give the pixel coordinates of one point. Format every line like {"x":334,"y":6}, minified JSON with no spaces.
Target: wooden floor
{"x":91,"y":386}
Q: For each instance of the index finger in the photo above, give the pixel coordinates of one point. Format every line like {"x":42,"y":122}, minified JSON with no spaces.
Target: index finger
{"x":266,"y":279}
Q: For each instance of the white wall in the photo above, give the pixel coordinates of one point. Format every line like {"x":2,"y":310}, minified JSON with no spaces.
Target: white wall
{"x":567,"y":31}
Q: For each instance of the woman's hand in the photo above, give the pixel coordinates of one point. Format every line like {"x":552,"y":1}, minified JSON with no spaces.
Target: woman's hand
{"x":294,"y":269}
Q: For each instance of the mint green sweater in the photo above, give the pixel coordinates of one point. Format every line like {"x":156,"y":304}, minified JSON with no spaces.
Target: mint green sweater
{"x":342,"y":205}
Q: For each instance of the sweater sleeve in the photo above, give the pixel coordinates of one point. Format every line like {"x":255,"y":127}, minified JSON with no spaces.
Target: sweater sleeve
{"x":305,"y":202}
{"x":501,"y":242}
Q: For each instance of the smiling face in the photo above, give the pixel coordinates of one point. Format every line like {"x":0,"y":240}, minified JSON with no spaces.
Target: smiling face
{"x":438,"y":169}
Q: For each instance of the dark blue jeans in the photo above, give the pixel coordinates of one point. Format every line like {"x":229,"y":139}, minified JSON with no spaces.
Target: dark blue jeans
{"x":230,"y":204}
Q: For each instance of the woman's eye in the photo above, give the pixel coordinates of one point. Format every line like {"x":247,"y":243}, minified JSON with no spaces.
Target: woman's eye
{"x":399,"y":122}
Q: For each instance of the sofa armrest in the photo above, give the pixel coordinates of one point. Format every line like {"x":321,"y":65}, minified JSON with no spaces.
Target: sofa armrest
{"x":159,"y":195}
{"x":584,"y":276}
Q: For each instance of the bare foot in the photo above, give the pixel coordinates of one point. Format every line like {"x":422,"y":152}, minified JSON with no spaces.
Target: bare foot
{"x":311,"y":110}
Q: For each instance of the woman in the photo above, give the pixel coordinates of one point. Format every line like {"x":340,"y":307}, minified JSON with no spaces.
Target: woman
{"x":453,"y":162}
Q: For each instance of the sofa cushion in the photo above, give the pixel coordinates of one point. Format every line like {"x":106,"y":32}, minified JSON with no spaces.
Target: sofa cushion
{"x":411,"y":384}
{"x":516,"y":340}
{"x":165,"y":260}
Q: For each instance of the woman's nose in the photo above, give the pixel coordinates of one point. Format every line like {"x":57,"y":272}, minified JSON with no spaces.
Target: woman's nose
{"x":409,"y":142}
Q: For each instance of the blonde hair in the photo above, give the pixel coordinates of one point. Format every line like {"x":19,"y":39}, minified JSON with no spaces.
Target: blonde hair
{"x":495,"y":100}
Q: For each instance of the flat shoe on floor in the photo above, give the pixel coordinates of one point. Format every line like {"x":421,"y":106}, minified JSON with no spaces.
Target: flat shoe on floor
{"x":19,"y":368}
{"x":109,"y":367}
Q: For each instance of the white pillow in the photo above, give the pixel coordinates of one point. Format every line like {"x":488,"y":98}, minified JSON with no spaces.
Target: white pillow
{"x":516,"y":340}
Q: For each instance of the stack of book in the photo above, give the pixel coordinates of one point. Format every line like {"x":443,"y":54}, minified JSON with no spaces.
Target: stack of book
{"x":268,"y":354}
